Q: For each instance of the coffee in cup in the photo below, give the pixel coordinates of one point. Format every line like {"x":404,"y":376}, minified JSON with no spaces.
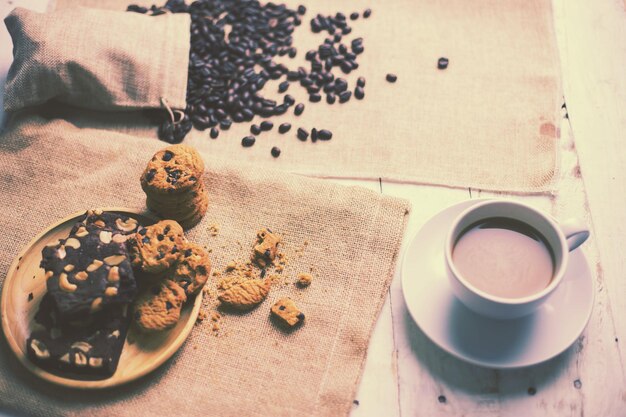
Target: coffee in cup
{"x":505,"y":258}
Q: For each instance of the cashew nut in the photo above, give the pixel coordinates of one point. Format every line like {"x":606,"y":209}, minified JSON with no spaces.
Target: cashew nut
{"x":65,"y":285}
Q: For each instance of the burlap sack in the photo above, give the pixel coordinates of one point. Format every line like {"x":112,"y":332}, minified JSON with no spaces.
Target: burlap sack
{"x":51,"y":169}
{"x":490,"y":120}
{"x":103,"y":60}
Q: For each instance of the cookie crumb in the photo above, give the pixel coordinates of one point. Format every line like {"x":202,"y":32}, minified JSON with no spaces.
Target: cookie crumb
{"x":215,"y":316}
{"x":304,"y":280}
{"x":214,"y":229}
{"x":231,"y":266}
{"x":202,"y":315}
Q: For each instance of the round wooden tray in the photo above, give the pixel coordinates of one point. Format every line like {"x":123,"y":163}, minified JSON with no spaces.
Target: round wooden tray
{"x":147,"y":351}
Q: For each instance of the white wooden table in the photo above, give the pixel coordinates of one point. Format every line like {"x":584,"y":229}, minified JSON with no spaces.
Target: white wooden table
{"x":405,"y":373}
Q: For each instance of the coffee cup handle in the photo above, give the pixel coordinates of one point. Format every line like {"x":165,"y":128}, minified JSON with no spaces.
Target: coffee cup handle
{"x":575,"y":233}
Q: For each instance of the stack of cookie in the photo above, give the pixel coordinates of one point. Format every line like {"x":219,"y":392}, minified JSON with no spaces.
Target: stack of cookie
{"x":173,"y":185}
{"x":173,"y":270}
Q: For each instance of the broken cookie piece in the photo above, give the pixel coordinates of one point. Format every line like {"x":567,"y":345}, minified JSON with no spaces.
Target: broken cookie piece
{"x":286,"y":312}
{"x":243,"y":292}
{"x":265,"y":248}
{"x":304,"y":280}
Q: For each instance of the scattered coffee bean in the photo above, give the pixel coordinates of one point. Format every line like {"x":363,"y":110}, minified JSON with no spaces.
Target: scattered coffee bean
{"x":359,"y":93}
{"x":367,"y":13}
{"x":284,"y":128}
{"x":345,"y":96}
{"x":289,"y":100}
{"x":391,"y":78}
{"x":442,"y":63}
{"x":360,"y":82}
{"x":282,"y":87}
{"x":225,"y":124}
{"x":255,"y":130}
{"x":233,"y":46}
{"x":214,"y":133}
{"x":266,"y":125}
{"x":302,"y":134}
{"x":314,"y":134}
{"x":324,"y":134}
{"x":248,"y":141}
{"x":275,"y":151}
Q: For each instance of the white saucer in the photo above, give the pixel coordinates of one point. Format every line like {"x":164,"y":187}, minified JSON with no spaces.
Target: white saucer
{"x":498,"y":344}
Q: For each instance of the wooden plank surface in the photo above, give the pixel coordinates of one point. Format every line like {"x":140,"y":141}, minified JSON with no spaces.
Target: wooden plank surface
{"x":405,"y":373}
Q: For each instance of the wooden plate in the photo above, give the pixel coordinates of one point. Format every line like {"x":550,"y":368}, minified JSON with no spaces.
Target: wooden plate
{"x":145,"y":354}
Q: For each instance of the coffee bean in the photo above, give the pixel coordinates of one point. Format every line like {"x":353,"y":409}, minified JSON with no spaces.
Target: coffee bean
{"x":289,"y":100}
{"x":325,"y":134}
{"x":310,"y":56}
{"x":275,"y":151}
{"x":298,"y":109}
{"x":248,"y":141}
{"x":359,"y":93}
{"x":314,"y":98}
{"x":354,"y":16}
{"x":367,"y":13}
{"x":302,"y":134}
{"x":301,"y":10}
{"x":266,"y":125}
{"x":330,"y":98}
{"x":391,"y":78}
{"x":214,"y":133}
{"x":346,"y":30}
{"x":292,"y":52}
{"x":345,"y":96}
{"x":284,"y":128}
{"x":282,"y":87}
{"x":255,"y":130}
{"x":137,"y":9}
{"x":314,"y":134}
{"x":360,"y":82}
{"x":442,"y":63}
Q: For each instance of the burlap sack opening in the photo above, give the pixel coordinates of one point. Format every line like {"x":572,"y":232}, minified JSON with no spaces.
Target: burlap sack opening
{"x":102,"y":60}
{"x":53,"y":168}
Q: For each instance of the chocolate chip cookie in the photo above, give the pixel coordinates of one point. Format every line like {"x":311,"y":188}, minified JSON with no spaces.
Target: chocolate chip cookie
{"x":193,"y":268}
{"x":157,"y":247}
{"x":172,"y":170}
{"x":159,"y":308}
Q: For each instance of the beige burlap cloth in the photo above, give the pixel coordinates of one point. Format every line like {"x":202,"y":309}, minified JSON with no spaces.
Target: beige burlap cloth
{"x":488,"y":121}
{"x":50,"y":170}
{"x":97,"y":59}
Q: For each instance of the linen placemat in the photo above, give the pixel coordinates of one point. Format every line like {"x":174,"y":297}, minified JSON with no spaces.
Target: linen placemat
{"x":487,"y":121}
{"x":350,"y":236}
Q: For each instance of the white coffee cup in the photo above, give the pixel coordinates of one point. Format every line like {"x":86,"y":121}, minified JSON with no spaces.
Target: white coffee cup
{"x":562,"y":238}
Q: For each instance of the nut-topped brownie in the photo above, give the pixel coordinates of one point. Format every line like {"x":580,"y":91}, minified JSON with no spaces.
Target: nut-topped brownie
{"x":90,"y":269}
{"x":79,"y":352}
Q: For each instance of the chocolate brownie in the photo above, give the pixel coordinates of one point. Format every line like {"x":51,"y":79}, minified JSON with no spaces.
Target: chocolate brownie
{"x":90,"y":270}
{"x":80,"y":352}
